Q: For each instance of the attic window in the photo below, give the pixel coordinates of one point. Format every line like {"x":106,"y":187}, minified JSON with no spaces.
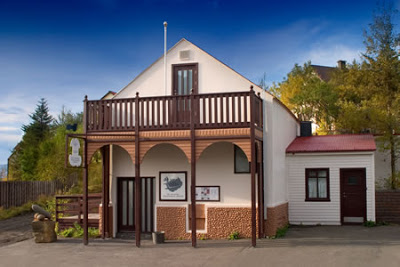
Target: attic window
{"x":184,"y":55}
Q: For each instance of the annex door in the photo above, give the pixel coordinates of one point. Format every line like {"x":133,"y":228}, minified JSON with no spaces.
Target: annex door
{"x":126,"y":204}
{"x":353,"y":196}
{"x":185,"y":78}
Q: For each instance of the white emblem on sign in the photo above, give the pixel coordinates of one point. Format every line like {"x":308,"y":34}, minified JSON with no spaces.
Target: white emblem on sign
{"x":74,"y":159}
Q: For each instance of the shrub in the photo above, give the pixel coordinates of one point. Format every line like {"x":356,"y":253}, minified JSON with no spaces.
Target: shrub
{"x":203,"y":237}
{"x":281,"y":232}
{"x":77,"y":232}
{"x":234,"y":235}
{"x":370,"y":224}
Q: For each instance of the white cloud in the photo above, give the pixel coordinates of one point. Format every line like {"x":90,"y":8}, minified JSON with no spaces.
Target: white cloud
{"x":10,"y":139}
{"x":8,"y":129}
{"x":329,"y":54}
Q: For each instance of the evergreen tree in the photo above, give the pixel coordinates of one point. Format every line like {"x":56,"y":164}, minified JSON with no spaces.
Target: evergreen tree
{"x":34,"y":134}
{"x":41,"y":121}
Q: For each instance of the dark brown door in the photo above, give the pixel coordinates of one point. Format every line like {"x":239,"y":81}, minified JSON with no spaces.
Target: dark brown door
{"x":126,"y":204}
{"x":353,"y":196}
{"x":185,"y":78}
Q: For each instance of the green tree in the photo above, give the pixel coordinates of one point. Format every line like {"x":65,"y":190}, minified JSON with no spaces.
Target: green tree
{"x":370,"y":90}
{"x":51,"y":159}
{"x":308,"y":97}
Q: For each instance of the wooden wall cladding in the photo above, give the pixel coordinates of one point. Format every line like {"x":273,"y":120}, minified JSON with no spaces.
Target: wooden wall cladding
{"x":200,"y":216}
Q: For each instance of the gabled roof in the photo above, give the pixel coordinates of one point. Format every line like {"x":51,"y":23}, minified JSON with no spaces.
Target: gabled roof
{"x":108,"y":93}
{"x":323,"y":72}
{"x":333,"y":143}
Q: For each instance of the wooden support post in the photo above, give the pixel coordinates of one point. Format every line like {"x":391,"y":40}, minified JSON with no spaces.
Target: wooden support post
{"x":193,"y":168}
{"x":85,"y":196}
{"x":260,"y":191}
{"x":138,"y":197}
{"x":103,"y":193}
{"x":107,"y":192}
{"x":253,"y":168}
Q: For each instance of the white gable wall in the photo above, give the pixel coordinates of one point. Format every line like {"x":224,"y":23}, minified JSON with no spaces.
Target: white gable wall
{"x":214,"y":76}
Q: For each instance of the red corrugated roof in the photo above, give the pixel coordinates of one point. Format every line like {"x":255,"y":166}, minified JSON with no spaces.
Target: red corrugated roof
{"x":332,"y":143}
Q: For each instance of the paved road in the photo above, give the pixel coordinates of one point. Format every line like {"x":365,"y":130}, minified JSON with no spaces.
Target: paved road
{"x":303,"y":246}
{"x":15,"y":229}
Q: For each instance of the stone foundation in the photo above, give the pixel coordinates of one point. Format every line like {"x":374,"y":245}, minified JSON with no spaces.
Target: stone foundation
{"x":221,"y":222}
{"x":277,"y":217}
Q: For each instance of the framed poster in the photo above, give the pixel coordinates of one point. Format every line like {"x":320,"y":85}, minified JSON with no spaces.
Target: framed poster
{"x":173,"y":186}
{"x":208,"y":193}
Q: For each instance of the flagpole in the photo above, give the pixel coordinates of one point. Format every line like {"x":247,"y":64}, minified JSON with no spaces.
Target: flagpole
{"x":165,"y":57}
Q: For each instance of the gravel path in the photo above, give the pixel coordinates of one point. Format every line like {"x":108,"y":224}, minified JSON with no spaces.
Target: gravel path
{"x":15,"y":229}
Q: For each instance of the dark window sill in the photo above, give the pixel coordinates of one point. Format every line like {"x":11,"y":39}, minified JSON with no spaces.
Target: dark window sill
{"x":317,"y":200}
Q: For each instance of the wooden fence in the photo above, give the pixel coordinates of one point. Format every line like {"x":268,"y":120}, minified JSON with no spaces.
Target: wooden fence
{"x":18,"y":193}
{"x":69,"y":209}
{"x":387,"y":206}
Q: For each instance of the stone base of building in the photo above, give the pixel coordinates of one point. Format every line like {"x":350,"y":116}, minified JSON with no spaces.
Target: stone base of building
{"x":221,"y":222}
{"x":277,"y":217}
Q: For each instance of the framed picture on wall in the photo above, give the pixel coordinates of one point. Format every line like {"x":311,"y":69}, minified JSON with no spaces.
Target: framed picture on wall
{"x":173,"y":186}
{"x":208,"y":193}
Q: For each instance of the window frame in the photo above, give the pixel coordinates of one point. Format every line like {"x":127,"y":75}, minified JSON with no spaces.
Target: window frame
{"x":235,"y":147}
{"x":327,"y":198}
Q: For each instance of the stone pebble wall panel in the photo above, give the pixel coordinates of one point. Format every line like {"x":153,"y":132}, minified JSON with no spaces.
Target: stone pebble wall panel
{"x":387,"y":206}
{"x":172,"y":220}
{"x":277,"y":217}
{"x":221,"y":222}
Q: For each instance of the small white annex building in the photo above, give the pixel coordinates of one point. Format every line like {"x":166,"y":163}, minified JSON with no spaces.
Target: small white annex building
{"x":331,"y":179}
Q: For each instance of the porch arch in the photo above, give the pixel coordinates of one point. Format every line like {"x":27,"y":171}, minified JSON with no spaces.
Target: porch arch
{"x":145,"y":147}
{"x":127,"y":146}
{"x":244,"y":144}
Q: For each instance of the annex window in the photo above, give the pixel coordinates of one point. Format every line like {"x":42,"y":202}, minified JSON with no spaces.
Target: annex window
{"x":317,"y":185}
{"x":242,"y":164}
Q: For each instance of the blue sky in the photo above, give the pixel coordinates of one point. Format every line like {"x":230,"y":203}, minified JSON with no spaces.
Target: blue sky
{"x":62,"y":50}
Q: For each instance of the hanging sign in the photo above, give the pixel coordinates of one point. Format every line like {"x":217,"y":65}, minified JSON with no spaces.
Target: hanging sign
{"x":75,"y":159}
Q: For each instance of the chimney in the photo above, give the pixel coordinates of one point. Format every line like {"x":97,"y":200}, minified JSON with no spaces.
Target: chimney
{"x":341,"y":64}
{"x":305,"y":128}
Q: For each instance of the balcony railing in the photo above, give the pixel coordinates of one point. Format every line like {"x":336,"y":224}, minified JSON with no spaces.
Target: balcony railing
{"x":217,"y":110}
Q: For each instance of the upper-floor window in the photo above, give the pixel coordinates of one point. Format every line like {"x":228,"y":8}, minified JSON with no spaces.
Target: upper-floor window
{"x":317,"y":184}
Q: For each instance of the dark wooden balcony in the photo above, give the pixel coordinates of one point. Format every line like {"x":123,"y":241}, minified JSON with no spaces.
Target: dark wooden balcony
{"x":208,"y":111}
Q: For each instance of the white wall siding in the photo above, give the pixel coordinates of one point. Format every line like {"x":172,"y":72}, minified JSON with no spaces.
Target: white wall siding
{"x":281,"y":130}
{"x":302,"y":212}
